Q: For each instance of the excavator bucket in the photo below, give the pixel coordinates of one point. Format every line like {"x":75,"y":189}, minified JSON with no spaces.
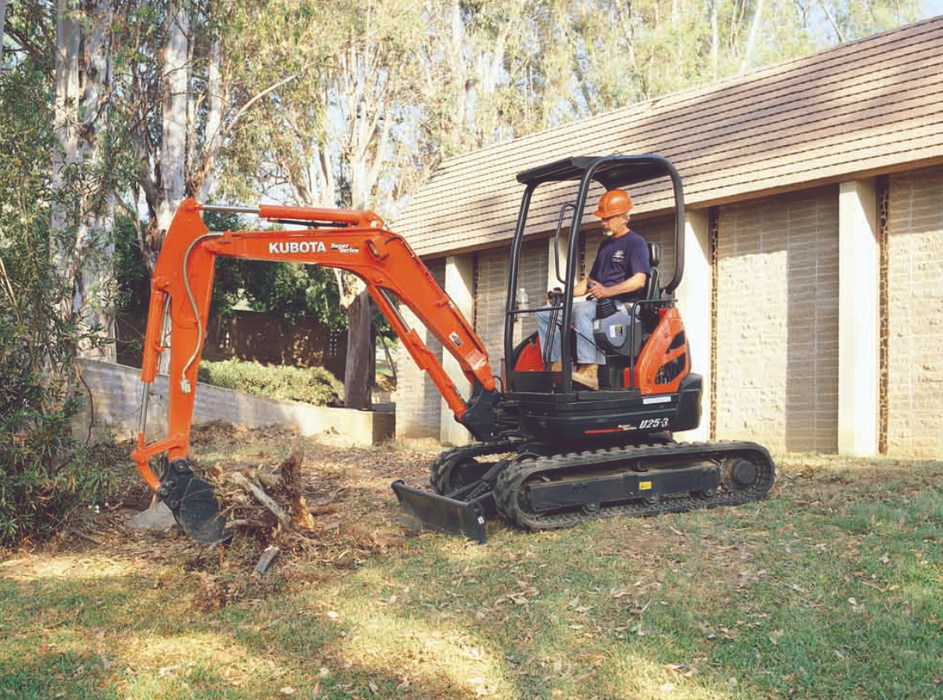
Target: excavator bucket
{"x":193,"y":503}
{"x":424,"y":510}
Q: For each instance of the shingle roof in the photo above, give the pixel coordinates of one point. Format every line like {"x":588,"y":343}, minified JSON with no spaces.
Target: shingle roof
{"x":865,"y":107}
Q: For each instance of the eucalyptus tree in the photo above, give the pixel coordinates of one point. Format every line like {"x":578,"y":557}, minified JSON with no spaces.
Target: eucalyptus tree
{"x":82,"y":221}
{"x":331,"y":137}
{"x":3,"y":17}
{"x":45,"y":475}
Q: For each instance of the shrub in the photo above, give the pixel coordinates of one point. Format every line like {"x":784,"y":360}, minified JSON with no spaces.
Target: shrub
{"x":46,"y":476}
{"x":314,"y":385}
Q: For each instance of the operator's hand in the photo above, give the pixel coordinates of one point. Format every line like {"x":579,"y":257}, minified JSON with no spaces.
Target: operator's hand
{"x":597,"y":291}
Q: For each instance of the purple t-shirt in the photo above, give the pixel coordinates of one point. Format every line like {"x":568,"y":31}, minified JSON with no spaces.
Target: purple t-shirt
{"x":618,"y":259}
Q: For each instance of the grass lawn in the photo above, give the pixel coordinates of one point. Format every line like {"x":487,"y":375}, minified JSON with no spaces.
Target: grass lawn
{"x":831,"y":588}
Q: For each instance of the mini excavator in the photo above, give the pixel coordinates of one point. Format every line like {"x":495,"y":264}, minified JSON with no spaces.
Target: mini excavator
{"x":548,"y":451}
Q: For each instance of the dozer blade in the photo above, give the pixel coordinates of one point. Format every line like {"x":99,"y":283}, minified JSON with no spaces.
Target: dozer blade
{"x":424,"y":510}
{"x":193,"y":503}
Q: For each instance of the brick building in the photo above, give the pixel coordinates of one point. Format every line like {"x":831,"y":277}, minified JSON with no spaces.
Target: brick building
{"x":813,"y":287}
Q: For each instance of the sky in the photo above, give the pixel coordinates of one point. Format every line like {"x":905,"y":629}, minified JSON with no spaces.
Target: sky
{"x":932,"y":8}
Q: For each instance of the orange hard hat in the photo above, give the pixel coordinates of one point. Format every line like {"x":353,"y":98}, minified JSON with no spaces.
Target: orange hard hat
{"x":613,"y":203}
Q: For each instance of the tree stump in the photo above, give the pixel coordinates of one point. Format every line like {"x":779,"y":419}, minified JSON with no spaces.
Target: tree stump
{"x":290,"y":469}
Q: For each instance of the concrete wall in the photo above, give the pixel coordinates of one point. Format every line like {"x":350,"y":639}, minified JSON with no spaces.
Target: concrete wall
{"x":460,"y":286}
{"x":694,"y":296}
{"x":915,"y":314}
{"x":116,"y":396}
{"x":418,"y":404}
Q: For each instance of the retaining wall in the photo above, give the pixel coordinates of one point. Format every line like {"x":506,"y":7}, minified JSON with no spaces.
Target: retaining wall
{"x":116,"y":400}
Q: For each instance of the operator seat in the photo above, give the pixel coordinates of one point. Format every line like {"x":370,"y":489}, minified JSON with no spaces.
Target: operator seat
{"x":652,"y":289}
{"x":622,"y":338}
{"x":648,"y":313}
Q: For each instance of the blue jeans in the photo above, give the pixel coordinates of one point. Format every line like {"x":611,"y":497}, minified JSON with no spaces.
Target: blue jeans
{"x":583,"y":314}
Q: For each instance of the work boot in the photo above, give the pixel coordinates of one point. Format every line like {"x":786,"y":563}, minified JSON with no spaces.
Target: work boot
{"x":556,"y":366}
{"x":587,"y":376}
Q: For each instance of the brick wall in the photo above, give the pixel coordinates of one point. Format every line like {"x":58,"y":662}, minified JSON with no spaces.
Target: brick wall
{"x":777,"y":318}
{"x":777,"y":321}
{"x":418,"y":405}
{"x":116,"y":401}
{"x":659,"y":230}
{"x":492,"y":286}
{"x":915,"y":314}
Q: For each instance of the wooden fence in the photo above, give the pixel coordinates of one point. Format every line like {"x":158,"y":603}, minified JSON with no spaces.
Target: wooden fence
{"x":249,"y":335}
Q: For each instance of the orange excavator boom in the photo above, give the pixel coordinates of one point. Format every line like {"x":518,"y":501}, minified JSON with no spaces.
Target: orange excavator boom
{"x":354,"y":241}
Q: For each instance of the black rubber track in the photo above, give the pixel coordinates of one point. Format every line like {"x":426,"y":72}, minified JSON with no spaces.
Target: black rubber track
{"x":510,"y":495}
{"x":440,"y":471}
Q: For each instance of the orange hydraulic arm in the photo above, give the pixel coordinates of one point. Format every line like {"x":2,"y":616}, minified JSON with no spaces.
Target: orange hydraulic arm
{"x":350,"y":240}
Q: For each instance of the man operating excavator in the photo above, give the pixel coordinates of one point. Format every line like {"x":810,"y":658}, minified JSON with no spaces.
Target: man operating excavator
{"x":619,"y":272}
{"x":542,"y":458}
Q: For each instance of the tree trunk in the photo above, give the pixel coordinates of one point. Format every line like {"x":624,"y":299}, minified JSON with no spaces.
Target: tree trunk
{"x":94,"y":298}
{"x":64,"y":116}
{"x":81,"y":215}
{"x":171,"y":162}
{"x":167,"y":187}
{"x":3,"y":17}
{"x":213,"y":138}
{"x":360,"y":356}
{"x":715,"y":40}
{"x":751,"y":38}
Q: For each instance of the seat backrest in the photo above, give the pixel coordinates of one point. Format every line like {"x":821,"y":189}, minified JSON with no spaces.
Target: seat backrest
{"x":652,"y":289}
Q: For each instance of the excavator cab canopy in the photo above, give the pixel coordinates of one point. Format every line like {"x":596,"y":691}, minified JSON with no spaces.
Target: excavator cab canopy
{"x":611,"y":171}
{"x":624,"y":171}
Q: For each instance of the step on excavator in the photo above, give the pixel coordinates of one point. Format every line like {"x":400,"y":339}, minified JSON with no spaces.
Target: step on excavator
{"x":548,"y":451}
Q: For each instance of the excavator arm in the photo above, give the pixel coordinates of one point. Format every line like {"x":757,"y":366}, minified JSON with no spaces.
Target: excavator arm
{"x":350,"y":240}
